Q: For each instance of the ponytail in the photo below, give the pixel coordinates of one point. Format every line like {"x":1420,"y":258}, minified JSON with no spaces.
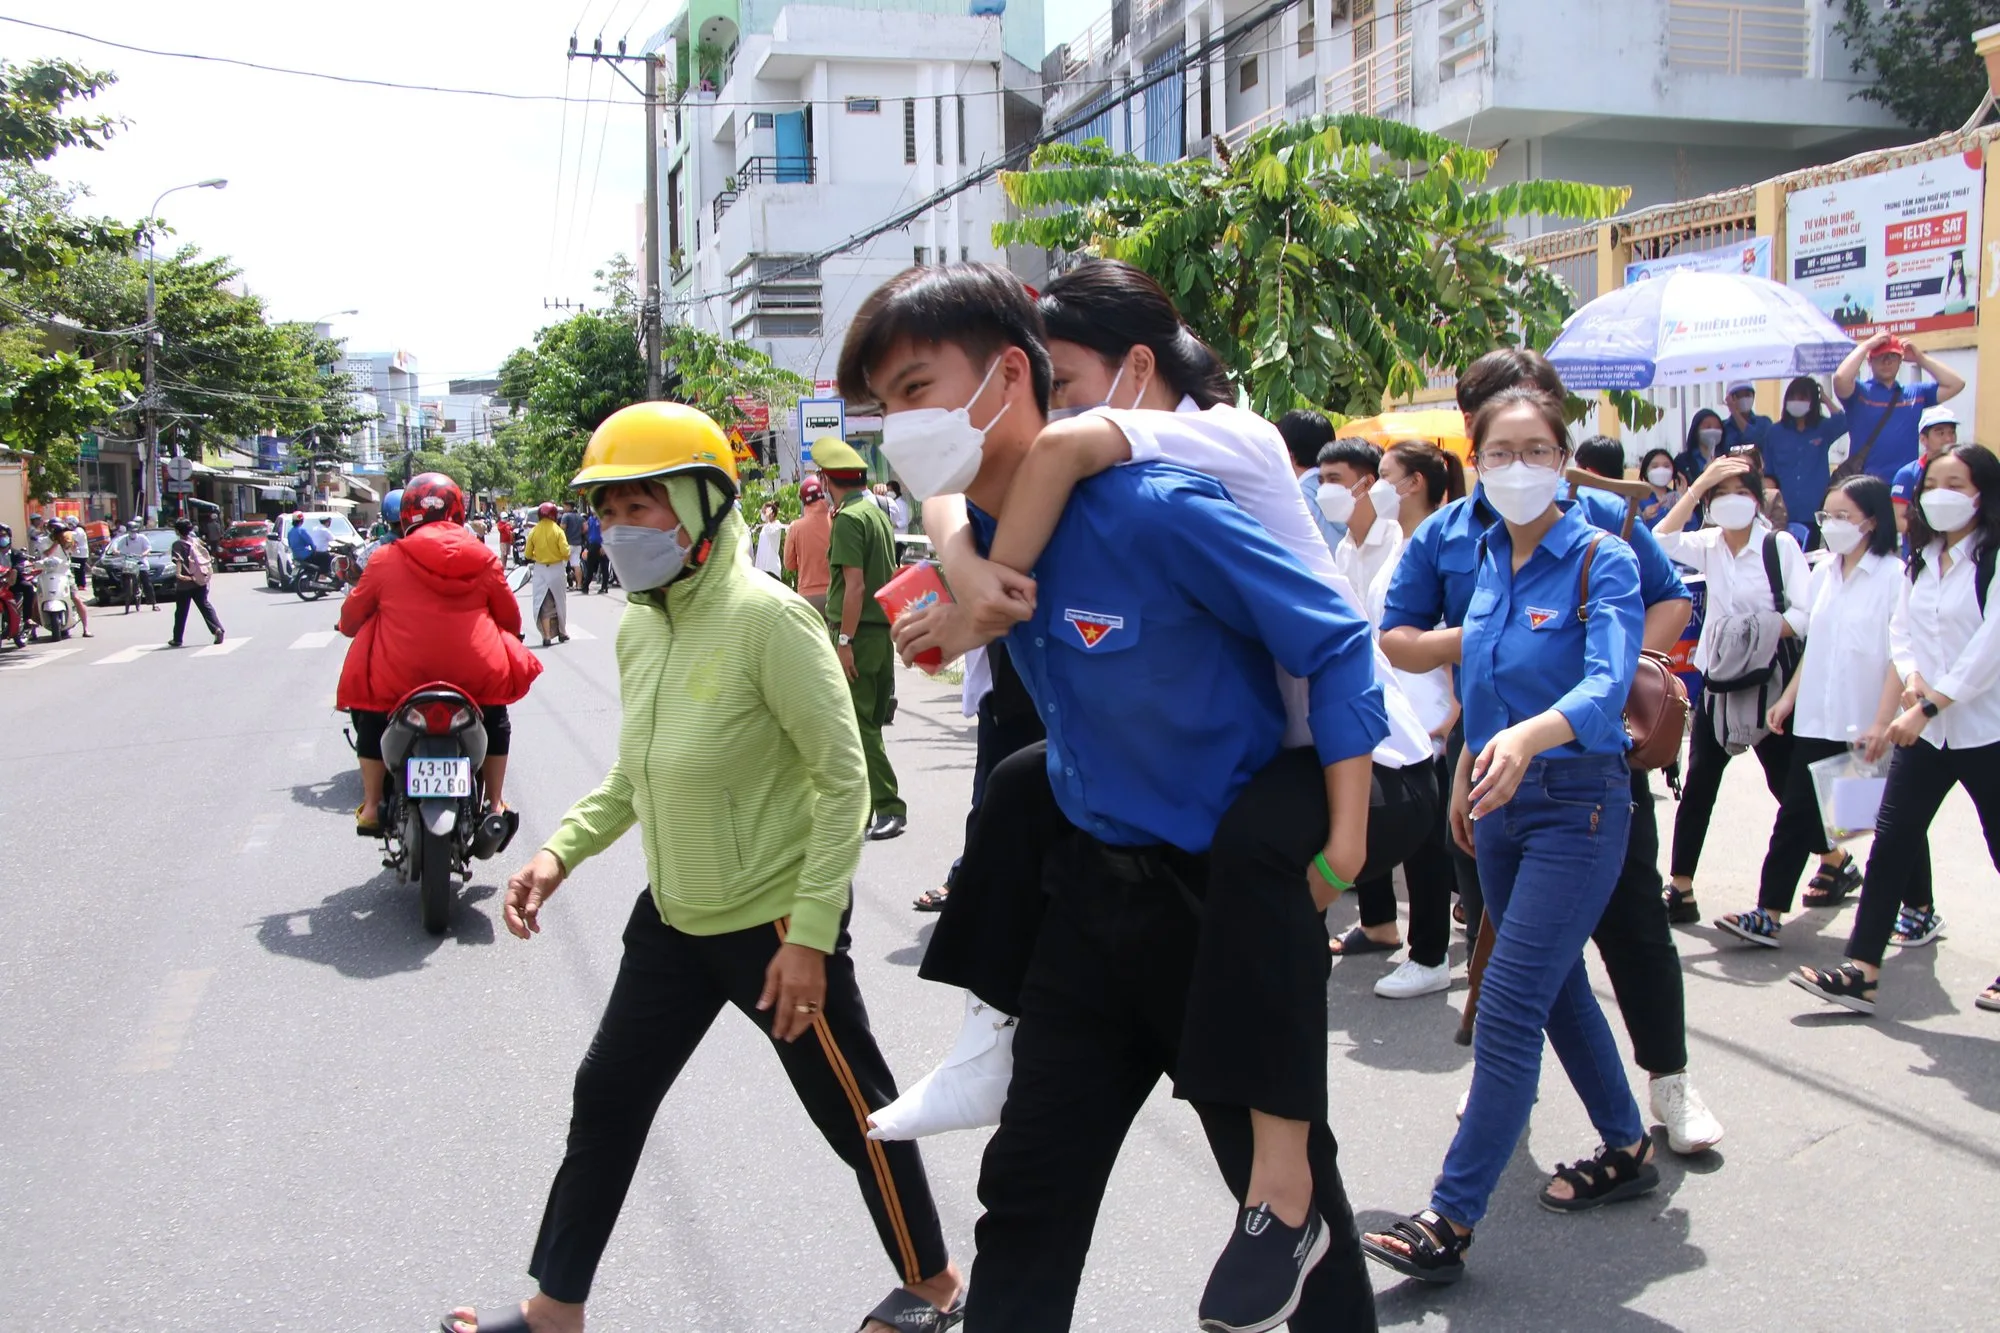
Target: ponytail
{"x":1443,"y":473}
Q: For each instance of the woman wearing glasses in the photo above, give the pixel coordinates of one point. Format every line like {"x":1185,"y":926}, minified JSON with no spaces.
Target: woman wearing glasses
{"x":1542,"y":795}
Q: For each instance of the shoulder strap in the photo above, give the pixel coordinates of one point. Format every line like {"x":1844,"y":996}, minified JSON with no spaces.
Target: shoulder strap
{"x":1773,"y":574}
{"x":1583,"y":579}
{"x":1860,"y":460}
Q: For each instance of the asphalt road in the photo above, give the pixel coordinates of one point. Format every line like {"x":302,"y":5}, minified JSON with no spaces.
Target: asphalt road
{"x":243,"y":1090}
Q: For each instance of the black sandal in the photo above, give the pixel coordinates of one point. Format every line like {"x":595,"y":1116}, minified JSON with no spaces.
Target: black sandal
{"x":1844,"y":986}
{"x":1436,"y":1252}
{"x":903,"y":1309}
{"x":1829,"y":888}
{"x":1356,"y":941}
{"x":1612,"y":1176}
{"x":932,"y":900}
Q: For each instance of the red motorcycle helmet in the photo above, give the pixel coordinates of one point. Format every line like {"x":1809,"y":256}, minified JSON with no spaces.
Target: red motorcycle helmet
{"x":547,"y":511}
{"x":432,"y":497}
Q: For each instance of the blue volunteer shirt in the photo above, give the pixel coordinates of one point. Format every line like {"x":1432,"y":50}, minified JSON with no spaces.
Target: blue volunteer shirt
{"x":1903,"y":490}
{"x":1897,"y":443}
{"x":1435,"y":575}
{"x":1527,"y":651}
{"x":300,"y":541}
{"x":1734,"y":435}
{"x":1160,"y":610}
{"x":1797,"y":457}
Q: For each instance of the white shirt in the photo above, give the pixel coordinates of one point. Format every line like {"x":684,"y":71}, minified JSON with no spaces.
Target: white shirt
{"x":1429,"y":692}
{"x":321,"y":535}
{"x":1737,"y":583}
{"x":1363,"y":562}
{"x":770,"y":537}
{"x":978,"y":682}
{"x":899,"y":513}
{"x":1847,"y":647}
{"x":1938,"y":631}
{"x":1247,"y":455}
{"x":135,"y":545}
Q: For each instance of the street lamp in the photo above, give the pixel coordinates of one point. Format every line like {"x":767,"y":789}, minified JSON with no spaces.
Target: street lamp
{"x":149,"y":493}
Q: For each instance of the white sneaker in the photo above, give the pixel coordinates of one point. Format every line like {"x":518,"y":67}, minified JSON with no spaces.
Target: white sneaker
{"x":1413,"y":979}
{"x":1464,"y":1099}
{"x":1691,"y":1126}
{"x":966,"y":1091}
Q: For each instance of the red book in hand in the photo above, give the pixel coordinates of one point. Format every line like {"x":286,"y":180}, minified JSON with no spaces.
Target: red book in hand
{"x":915,"y":588}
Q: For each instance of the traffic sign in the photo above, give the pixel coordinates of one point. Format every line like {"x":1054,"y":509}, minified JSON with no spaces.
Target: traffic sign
{"x":820,"y":417}
{"x":180,"y":488}
{"x":179,"y":469}
{"x":87,"y":450}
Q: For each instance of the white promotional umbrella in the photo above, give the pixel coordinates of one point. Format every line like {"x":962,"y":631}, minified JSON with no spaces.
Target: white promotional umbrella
{"x":1696,"y":328}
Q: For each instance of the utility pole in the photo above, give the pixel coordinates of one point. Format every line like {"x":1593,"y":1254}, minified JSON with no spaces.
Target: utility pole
{"x":651,"y":304}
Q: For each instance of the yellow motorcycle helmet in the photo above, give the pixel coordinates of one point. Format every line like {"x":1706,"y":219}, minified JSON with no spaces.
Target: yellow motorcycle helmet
{"x":650,"y":441}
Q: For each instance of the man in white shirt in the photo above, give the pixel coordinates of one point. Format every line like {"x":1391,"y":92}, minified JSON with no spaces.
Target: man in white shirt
{"x":139,"y":575}
{"x":322,"y":535}
{"x":1349,"y":477}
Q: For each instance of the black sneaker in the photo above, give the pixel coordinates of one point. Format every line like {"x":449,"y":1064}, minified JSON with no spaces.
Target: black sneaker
{"x":1255,"y":1285}
{"x":886,"y":827}
{"x":1681,"y":907}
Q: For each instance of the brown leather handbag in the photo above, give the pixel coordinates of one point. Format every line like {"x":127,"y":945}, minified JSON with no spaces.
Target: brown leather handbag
{"x":1656,"y":710}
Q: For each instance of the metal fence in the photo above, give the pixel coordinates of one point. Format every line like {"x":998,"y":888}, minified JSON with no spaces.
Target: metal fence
{"x":1378,"y":84}
{"x":1740,"y":38}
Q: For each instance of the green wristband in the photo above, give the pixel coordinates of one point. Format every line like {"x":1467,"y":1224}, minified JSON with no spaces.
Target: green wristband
{"x":1326,"y":873}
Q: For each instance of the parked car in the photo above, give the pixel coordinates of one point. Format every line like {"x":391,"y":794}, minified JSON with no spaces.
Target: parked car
{"x":278,"y":555}
{"x":243,"y":544}
{"x":107,"y":576}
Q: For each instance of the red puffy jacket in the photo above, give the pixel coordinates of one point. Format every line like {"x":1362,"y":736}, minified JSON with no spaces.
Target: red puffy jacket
{"x":433,"y":606}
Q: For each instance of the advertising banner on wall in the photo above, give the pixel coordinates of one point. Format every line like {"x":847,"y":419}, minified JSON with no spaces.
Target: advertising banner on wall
{"x":1898,"y":250}
{"x":1752,"y":257}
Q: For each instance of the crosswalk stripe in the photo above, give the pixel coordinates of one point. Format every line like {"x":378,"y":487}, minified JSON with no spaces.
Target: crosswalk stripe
{"x":20,"y":663}
{"x":223,"y":649}
{"x":132,"y":654}
{"x":319,"y":638}
{"x":580,"y":634}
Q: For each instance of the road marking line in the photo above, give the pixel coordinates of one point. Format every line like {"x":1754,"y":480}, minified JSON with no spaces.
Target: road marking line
{"x":168,"y":1021}
{"x":19,"y":663}
{"x":579,"y":633}
{"x":319,"y":638}
{"x":132,"y":654}
{"x":223,"y":649}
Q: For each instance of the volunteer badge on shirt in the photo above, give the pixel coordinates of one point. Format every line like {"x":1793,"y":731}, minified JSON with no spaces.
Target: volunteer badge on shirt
{"x":1538,"y":618}
{"x":1093,"y":626}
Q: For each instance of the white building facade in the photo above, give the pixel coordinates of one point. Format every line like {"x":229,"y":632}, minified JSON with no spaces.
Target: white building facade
{"x":1674,"y":98}
{"x":386,"y":387}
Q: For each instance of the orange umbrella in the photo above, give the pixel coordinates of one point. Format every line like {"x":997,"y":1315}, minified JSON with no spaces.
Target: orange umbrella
{"x":1443,"y":426}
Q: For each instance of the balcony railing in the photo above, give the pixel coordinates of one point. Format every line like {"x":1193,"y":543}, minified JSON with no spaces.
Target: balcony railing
{"x":1376,"y":85}
{"x":1739,"y":39}
{"x":1087,"y":47}
{"x":1240,"y":135}
{"x":765,"y":169}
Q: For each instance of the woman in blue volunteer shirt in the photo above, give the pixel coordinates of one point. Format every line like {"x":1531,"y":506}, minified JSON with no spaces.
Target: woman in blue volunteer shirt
{"x":1551,"y":642}
{"x":1795,"y":451}
{"x":1656,"y":469}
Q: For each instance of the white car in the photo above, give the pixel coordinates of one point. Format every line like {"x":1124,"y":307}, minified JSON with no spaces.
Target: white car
{"x":278,"y":554}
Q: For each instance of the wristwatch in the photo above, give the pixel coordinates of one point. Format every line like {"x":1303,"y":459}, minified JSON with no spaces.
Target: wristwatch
{"x":1928,"y":708}
{"x":843,"y":639}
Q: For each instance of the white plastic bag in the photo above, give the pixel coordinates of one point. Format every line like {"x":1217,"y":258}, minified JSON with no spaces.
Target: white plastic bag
{"x":1849,"y":791}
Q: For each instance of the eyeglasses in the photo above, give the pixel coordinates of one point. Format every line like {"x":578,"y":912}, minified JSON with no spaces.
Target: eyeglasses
{"x":1537,"y":455}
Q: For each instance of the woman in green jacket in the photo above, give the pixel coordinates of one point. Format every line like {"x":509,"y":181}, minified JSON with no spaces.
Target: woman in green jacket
{"x":740,"y":763}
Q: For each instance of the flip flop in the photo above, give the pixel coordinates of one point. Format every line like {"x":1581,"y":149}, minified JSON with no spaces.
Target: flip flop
{"x":511,"y":1322}
{"x":901,"y":1309}
{"x":1356,"y":942}
{"x":366,"y":830}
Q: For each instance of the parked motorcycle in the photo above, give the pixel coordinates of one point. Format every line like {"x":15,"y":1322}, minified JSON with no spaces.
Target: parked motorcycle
{"x":434,"y":820}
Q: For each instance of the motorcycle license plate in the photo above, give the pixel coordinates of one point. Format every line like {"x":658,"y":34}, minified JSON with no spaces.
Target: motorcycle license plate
{"x":437,"y":777}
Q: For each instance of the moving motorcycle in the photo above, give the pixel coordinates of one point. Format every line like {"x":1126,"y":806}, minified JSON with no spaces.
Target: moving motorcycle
{"x":434,"y":820}
{"x":311,"y":582}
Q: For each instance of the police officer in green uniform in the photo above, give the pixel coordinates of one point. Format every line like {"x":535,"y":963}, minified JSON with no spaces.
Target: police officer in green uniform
{"x":861,"y":557}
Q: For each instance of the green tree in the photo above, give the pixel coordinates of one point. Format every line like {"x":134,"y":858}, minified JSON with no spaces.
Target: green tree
{"x":1332,"y":262}
{"x":719,"y":375}
{"x":1919,"y":54}
{"x":578,"y":373}
{"x":47,"y":400}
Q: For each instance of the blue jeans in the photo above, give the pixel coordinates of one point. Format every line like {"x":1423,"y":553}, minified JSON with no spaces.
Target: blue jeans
{"x":1547,"y":862}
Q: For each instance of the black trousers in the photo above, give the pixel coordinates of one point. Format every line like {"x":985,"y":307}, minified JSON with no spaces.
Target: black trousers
{"x":596,"y":565}
{"x":1800,"y":834}
{"x":1257,"y":996}
{"x":1636,"y":943}
{"x":1920,"y":777}
{"x":193,"y":594}
{"x":369,"y":726}
{"x":670,"y":988}
{"x":1001,"y":732}
{"x":1430,"y":877}
{"x":1706,"y":760}
{"x":1099,"y":1026}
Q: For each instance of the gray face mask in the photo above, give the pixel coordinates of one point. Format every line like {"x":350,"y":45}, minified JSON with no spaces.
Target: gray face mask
{"x":644,"y":558}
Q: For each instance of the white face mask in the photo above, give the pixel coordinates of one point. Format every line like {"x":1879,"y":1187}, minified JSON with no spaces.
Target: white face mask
{"x":1065,"y":413}
{"x":1710,"y":437}
{"x":1840,"y":535}
{"x":1948,"y":511}
{"x":1521,"y":492}
{"x":1661,"y":477}
{"x":1388,"y":501}
{"x":938,"y":451}
{"x":1798,"y":407}
{"x":1336,"y":502}
{"x":1733,"y":513}
{"x":1743,"y":402}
